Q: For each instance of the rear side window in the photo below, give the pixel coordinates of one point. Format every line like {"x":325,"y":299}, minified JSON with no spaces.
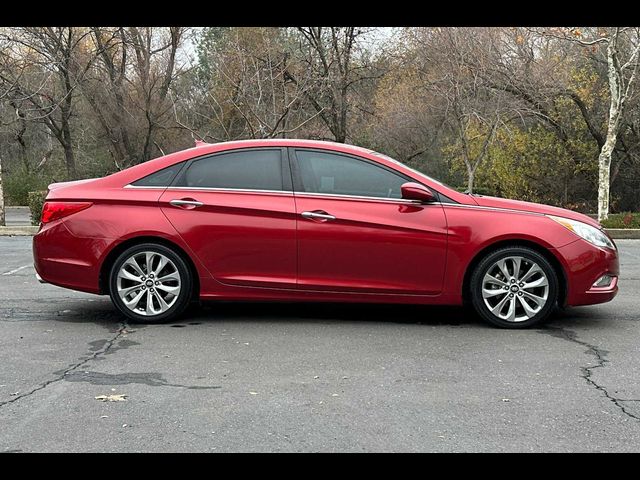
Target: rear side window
{"x":161,"y":178}
{"x":244,"y":170}
{"x":337,"y":174}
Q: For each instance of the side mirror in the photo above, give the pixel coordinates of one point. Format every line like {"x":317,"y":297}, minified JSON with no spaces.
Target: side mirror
{"x":415,"y":191}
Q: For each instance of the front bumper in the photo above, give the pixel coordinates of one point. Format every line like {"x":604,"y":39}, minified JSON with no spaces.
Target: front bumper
{"x":584,"y":264}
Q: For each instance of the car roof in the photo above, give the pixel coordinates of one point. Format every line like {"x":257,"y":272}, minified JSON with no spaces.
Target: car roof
{"x":281,"y":142}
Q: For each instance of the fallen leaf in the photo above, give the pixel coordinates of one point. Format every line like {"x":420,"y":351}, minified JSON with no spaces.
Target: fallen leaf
{"x":121,"y":397}
{"x":316,"y":376}
{"x":506,"y":400}
{"x":253,"y":393}
{"x":14,"y":393}
{"x":335,"y":395}
{"x":104,"y":416}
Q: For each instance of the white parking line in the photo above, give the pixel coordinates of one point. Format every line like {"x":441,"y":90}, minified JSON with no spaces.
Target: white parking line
{"x":17,"y":269}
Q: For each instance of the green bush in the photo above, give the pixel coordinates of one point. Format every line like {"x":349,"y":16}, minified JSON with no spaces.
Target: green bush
{"x":36,"y":201}
{"x":622,"y":220}
{"x":18,"y":184}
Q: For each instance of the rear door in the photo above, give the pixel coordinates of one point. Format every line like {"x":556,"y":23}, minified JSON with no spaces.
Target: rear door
{"x":356,"y":233}
{"x":236,"y":211}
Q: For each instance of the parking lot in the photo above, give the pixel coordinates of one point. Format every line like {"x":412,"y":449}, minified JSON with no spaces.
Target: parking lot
{"x":312,"y":377}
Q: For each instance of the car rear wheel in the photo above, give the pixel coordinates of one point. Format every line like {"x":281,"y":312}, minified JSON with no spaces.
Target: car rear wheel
{"x":514,"y":287}
{"x":150,"y":283}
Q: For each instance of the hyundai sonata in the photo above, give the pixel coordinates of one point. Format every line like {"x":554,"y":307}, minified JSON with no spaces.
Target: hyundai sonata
{"x":300,"y":220}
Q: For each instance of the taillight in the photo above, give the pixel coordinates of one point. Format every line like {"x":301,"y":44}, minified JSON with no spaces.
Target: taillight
{"x":55,"y":210}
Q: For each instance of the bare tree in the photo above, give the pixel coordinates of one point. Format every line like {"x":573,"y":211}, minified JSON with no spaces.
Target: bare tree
{"x":48,"y":64}
{"x":452,"y":63}
{"x":334,"y":67}
{"x":253,"y":93}
{"x":128,"y":89}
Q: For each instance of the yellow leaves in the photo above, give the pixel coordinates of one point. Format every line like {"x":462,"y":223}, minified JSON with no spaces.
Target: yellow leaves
{"x":577,"y":33}
{"x":519,"y":39}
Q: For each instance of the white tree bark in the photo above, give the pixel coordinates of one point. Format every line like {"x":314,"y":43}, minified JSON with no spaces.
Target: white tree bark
{"x":604,"y":159}
{"x":619,"y":89}
{"x":2,"y":216}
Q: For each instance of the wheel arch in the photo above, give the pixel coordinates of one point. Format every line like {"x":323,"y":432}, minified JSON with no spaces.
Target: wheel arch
{"x":541,"y":249}
{"x":109,"y":260}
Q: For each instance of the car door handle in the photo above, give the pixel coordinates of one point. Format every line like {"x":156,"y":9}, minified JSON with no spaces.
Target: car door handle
{"x":318,"y":215}
{"x":186,"y":203}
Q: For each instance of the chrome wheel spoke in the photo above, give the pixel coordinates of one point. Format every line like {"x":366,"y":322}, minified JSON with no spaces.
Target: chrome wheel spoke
{"x":540,"y":282}
{"x":164,"y":306}
{"x":171,"y":276}
{"x":169,"y":288}
{"x":499,"y":306}
{"x":533,"y":270}
{"x":492,"y":292}
{"x":134,"y":301}
{"x":516,"y":266}
{"x":127,"y":290}
{"x":527,"y":308}
{"x":491,"y":279}
{"x":129,"y":276}
{"x":538,"y":300}
{"x":133,"y":263}
{"x":161,"y":264}
{"x":150,"y":310}
{"x":502,"y":265}
{"x":511,"y":312}
{"x":140,"y":288}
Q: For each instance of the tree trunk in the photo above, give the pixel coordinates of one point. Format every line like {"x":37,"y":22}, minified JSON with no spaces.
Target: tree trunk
{"x":604,"y":168}
{"x":471,"y":175}
{"x":70,"y":161}
{"x":2,"y":216}
{"x":613,"y":124}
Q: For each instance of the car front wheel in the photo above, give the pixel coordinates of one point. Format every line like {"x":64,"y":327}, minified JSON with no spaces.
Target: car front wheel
{"x":514,"y":287}
{"x":150,"y":283}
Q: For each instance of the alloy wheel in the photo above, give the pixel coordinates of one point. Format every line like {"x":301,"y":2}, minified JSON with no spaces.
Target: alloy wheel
{"x":148,"y":283}
{"x":515,"y":288}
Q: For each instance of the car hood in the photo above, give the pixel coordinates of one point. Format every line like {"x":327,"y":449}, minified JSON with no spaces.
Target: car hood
{"x":496,"y":202}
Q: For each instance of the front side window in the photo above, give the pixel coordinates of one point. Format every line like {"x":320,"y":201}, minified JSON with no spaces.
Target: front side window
{"x":243,"y":170}
{"x":333,"y":173}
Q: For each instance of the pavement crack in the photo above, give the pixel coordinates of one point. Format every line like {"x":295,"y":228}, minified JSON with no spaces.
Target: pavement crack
{"x":587,"y":372}
{"x":107,"y":346}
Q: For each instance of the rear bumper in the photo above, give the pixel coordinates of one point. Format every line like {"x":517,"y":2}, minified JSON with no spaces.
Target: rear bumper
{"x":584,"y":264}
{"x":62,"y":259}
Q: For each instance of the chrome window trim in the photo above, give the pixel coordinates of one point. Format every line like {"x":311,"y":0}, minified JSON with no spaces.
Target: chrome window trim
{"x":145,"y":187}
{"x":364,"y":198}
{"x":215,"y":189}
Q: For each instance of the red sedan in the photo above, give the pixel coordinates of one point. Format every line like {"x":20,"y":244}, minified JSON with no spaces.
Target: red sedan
{"x":314,"y":221}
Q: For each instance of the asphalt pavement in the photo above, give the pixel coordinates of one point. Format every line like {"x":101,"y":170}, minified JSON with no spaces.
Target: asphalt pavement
{"x":312,"y":377}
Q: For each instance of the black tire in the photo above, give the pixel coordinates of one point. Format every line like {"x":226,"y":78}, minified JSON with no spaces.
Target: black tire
{"x":476,"y":285}
{"x":184,"y":297}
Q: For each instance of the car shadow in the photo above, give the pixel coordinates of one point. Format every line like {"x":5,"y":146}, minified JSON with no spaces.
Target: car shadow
{"x":323,"y":312}
{"x":102,"y":312}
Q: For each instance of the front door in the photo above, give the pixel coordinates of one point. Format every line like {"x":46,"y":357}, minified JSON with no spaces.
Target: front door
{"x":356,"y":233}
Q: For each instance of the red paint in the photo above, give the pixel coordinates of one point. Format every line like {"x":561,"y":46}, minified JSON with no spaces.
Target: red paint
{"x":256,"y":245}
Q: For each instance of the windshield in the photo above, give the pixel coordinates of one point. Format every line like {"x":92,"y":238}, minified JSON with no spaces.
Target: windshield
{"x":387,"y":157}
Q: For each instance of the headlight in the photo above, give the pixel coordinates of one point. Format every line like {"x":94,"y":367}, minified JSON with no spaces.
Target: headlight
{"x":583,"y":230}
